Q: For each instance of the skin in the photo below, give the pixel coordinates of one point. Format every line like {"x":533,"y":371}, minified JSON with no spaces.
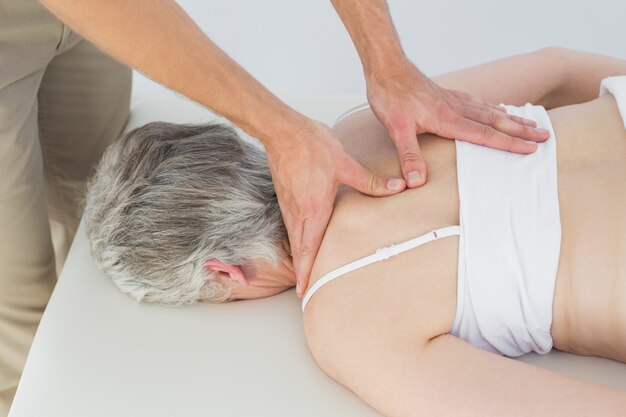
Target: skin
{"x":383,"y":331}
{"x":307,"y":161}
{"x":258,"y":280}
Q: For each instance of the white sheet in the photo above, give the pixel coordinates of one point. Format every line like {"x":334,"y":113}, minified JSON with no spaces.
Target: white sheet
{"x":98,"y":353}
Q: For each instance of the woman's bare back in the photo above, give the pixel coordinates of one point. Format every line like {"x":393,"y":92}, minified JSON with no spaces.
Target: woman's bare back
{"x":419,"y":287}
{"x":590,"y":298}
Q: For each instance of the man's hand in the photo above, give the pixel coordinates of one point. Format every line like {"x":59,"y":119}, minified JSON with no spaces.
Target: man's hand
{"x":408,"y":103}
{"x":307,"y":171}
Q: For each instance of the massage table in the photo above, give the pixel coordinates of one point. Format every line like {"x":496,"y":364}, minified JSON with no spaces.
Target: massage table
{"x":99,"y":353}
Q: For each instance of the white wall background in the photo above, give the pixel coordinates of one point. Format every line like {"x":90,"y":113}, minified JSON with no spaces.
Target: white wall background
{"x":301,"y":47}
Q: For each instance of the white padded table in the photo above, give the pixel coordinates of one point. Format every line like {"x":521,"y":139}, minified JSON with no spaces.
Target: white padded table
{"x":98,"y":353}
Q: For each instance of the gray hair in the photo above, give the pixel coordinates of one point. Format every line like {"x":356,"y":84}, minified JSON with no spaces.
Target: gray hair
{"x":167,"y":197}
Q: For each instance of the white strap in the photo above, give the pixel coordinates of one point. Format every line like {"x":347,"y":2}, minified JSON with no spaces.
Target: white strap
{"x":352,"y":111}
{"x":380,"y":255}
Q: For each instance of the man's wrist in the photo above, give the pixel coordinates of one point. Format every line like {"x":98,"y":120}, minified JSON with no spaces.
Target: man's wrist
{"x":281,"y":128}
{"x":377,"y":63}
{"x":373,"y":34}
{"x":390,"y":68}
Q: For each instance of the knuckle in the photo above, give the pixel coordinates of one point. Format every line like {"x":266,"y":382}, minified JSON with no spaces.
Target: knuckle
{"x":489,"y":107}
{"x":305,"y":250}
{"x":464,"y":95}
{"x":372,"y":183}
{"x":447,"y":116}
{"x":492,"y":119}
{"x":446,"y":112}
{"x":487,"y":132}
{"x":527,"y":132}
{"x":410,"y":156}
{"x":510,"y":143}
{"x":398,"y":129}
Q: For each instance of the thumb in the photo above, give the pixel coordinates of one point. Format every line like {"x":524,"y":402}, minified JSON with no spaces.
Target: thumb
{"x":354,"y":175}
{"x":411,"y":161}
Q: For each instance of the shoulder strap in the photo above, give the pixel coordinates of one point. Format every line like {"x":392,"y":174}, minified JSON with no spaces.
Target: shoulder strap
{"x":380,"y":255}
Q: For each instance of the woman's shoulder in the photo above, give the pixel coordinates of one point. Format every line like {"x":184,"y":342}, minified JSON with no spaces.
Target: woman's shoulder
{"x":404,"y":297}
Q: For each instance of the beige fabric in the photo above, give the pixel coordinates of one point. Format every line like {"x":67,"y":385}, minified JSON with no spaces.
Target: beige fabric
{"x":6,"y":399}
{"x":61,"y":102}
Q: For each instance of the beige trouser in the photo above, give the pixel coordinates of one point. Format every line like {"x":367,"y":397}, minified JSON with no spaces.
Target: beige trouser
{"x":61,"y":102}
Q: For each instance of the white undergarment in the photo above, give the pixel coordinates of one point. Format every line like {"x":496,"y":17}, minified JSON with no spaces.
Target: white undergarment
{"x":617,"y":87}
{"x":509,"y":243}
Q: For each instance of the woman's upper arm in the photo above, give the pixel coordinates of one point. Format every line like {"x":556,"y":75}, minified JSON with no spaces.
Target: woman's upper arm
{"x":551,"y":77}
{"x":519,"y":79}
{"x":448,"y":377}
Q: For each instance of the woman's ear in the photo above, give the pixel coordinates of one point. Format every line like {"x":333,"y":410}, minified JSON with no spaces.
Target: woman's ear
{"x":226,"y":271}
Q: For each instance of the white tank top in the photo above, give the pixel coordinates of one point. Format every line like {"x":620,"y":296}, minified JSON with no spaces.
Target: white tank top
{"x":509,"y":244}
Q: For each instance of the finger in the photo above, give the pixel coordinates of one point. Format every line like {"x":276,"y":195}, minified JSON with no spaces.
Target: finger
{"x":354,"y":175}
{"x":411,"y":161}
{"x":471,"y":99}
{"x":506,"y":125}
{"x":294,"y":225}
{"x":523,"y":121}
{"x":482,"y":134}
{"x":461,"y":94}
{"x":497,"y":107}
{"x":313,"y":229}
{"x":294,"y":242}
{"x":488,"y":107}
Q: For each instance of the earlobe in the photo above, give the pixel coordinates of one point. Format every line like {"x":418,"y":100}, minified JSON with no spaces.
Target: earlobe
{"x":226,"y":271}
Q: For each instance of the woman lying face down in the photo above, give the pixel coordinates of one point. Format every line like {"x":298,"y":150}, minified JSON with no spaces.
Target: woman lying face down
{"x":184,"y":213}
{"x":528,"y":253}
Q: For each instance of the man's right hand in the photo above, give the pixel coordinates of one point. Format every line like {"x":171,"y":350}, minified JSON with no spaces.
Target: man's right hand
{"x":307,"y":170}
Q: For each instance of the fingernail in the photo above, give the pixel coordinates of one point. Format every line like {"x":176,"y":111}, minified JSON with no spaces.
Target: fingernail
{"x":298,"y":288}
{"x":394,"y":184}
{"x":542,"y":131}
{"x":529,"y":122}
{"x":414,"y":178}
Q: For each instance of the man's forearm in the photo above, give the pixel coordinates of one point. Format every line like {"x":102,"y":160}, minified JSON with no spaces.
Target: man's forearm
{"x":159,"y":39}
{"x":369,"y":24}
